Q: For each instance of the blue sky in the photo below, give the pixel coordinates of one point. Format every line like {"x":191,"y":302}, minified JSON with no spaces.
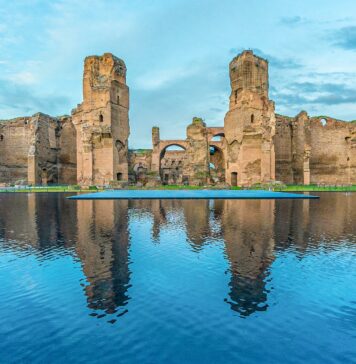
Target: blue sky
{"x":177,"y":54}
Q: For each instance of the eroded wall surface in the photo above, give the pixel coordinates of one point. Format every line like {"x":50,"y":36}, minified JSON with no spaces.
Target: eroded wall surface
{"x":15,"y":138}
{"x":315,"y":150}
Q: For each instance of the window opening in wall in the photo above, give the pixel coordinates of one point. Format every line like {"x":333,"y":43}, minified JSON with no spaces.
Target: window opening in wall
{"x":252,"y":118}
{"x":1,"y":138}
{"x":235,"y":96}
{"x":166,"y":178}
{"x":323,"y":122}
{"x":217,"y":138}
{"x":101,"y":118}
{"x":119,"y":176}
{"x":118,"y":99}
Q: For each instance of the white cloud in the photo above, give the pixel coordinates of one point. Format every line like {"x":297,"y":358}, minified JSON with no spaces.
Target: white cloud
{"x":23,"y":78}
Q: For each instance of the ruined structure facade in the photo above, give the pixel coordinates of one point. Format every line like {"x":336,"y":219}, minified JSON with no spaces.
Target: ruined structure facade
{"x":254,"y":145}
{"x":102,"y":122}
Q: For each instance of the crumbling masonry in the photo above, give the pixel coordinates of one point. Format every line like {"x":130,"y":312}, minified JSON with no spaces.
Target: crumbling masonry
{"x":255,"y":145}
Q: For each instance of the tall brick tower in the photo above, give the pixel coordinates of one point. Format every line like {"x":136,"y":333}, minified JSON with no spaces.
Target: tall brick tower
{"x":250,"y":123}
{"x":102,"y":122}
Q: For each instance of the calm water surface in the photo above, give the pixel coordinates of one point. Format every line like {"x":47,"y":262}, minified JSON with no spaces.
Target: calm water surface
{"x":177,"y":281}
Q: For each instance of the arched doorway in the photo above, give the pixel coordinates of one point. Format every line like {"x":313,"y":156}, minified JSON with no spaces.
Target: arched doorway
{"x":44,"y":177}
{"x":171,"y":164}
{"x":217,"y":164}
{"x":233,"y":178}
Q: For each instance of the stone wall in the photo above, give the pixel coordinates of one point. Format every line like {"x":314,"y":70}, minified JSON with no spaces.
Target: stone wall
{"x":15,"y":138}
{"x":43,"y":151}
{"x":333,"y":151}
{"x":37,"y":150}
{"x":283,"y":149}
{"x":197,"y":153}
{"x":67,"y":158}
{"x":317,"y":150}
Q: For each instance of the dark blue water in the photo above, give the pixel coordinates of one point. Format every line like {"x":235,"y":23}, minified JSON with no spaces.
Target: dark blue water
{"x":177,"y":281}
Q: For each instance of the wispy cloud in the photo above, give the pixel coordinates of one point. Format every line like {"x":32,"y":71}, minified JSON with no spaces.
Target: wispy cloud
{"x":23,"y":100}
{"x":302,"y":94}
{"x":23,"y":78}
{"x":274,"y":61}
{"x":345,"y":38}
{"x":293,"y":20}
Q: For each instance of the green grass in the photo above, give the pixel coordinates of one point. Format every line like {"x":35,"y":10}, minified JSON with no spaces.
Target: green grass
{"x":291,"y":188}
{"x":49,"y":189}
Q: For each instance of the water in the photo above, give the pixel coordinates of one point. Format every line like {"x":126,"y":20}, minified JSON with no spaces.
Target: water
{"x":173,"y":281}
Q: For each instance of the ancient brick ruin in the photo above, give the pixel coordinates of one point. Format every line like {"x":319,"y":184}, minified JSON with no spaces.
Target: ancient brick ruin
{"x":255,"y":145}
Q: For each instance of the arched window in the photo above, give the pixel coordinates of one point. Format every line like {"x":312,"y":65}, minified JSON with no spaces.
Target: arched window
{"x":1,"y":137}
{"x":323,"y":121}
{"x":252,"y":118}
{"x":118,"y":99}
{"x":119,"y":145}
{"x":235,"y":96}
{"x":101,"y":118}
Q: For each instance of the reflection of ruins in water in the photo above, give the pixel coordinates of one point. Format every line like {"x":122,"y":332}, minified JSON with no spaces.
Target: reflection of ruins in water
{"x":98,"y":232}
{"x":102,"y":246}
{"x":245,"y":228}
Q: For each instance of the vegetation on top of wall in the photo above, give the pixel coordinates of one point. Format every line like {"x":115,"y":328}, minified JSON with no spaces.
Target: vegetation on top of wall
{"x":197,"y":120}
{"x":320,"y":117}
{"x":140,"y":151}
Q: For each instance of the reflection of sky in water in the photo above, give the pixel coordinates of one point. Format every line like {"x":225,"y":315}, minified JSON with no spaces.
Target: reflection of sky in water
{"x":177,"y":281}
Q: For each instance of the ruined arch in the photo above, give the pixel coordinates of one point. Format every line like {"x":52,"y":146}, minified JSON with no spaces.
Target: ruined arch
{"x":175,"y":145}
{"x":217,"y":137}
{"x":171,"y":163}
